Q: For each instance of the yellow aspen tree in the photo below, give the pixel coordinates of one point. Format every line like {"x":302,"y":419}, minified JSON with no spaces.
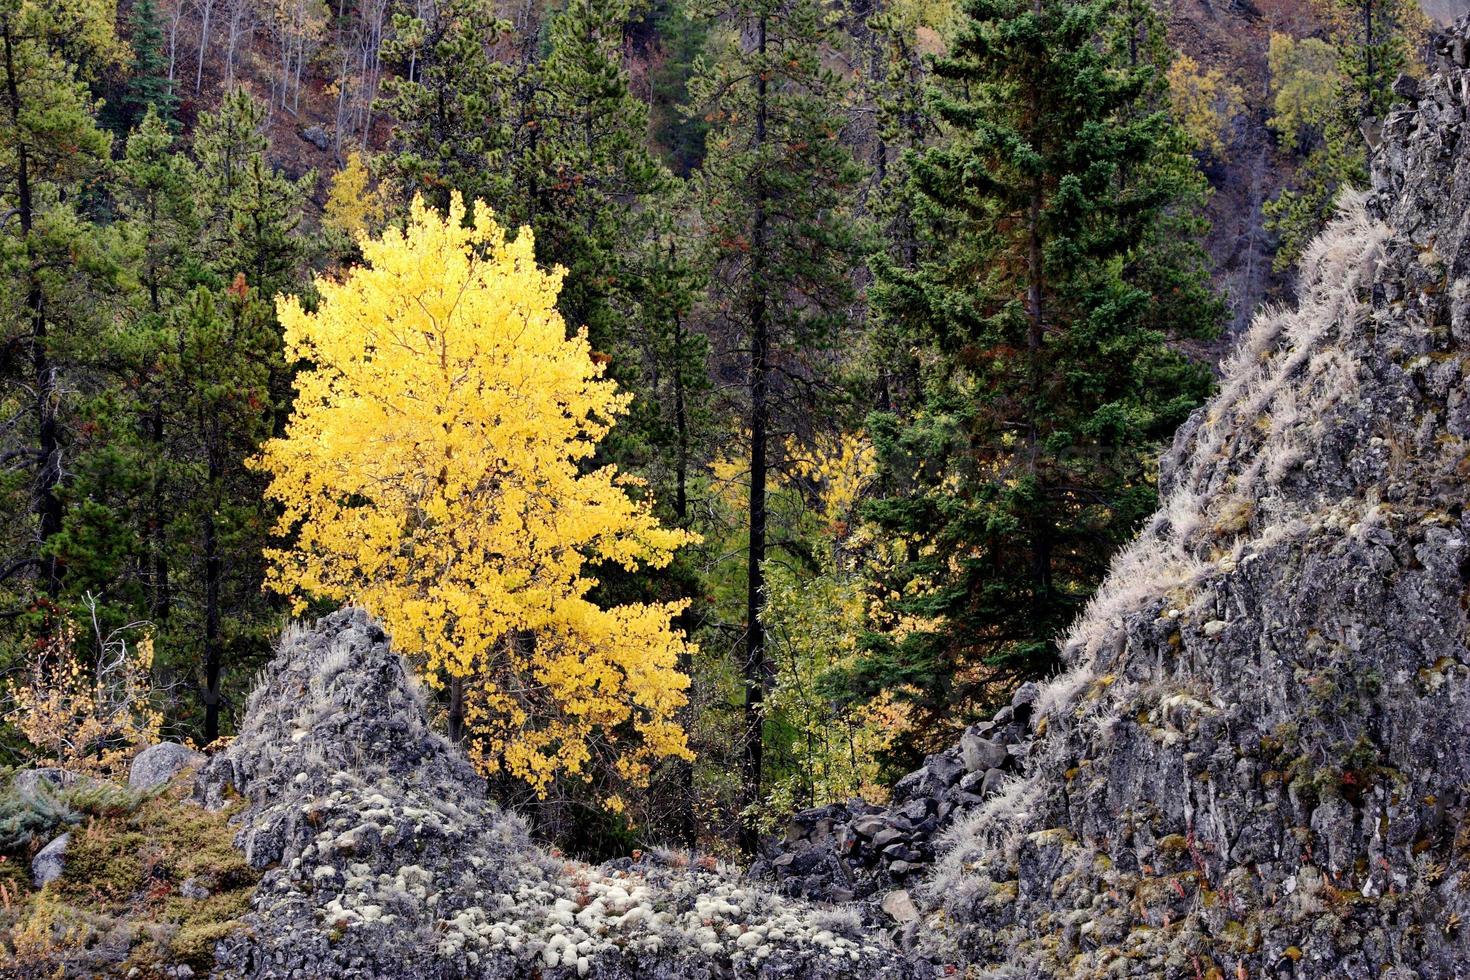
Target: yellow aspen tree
{"x":435,"y":472}
{"x":353,"y":206}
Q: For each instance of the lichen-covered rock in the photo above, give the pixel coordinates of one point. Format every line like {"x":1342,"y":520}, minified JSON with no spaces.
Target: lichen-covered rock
{"x":50,"y":861}
{"x":160,"y":763}
{"x":30,"y":782}
{"x":1258,"y":763}
{"x":386,"y":860}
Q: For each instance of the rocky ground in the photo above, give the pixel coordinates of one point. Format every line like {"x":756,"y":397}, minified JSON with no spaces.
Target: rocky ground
{"x":386,"y":860}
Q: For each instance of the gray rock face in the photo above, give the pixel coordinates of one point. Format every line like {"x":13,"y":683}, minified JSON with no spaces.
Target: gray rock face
{"x":159,"y":763}
{"x":49,"y":862}
{"x":386,"y":860}
{"x":1258,"y":763}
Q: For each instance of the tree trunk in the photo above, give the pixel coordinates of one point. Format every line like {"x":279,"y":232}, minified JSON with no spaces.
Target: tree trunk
{"x":46,"y":503}
{"x":213,"y":572}
{"x":203,"y":44}
{"x":1035,"y":337}
{"x":685,"y":770}
{"x":755,"y":636}
{"x":158,"y":539}
{"x":456,"y":709}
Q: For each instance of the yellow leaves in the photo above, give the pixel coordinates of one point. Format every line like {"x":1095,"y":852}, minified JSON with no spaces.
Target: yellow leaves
{"x":353,"y":207}
{"x":430,"y":473}
{"x":1205,"y":103}
{"x":841,"y":467}
{"x":91,"y":715}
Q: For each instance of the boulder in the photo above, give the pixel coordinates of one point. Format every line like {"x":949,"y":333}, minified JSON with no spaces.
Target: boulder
{"x":158,"y":764}
{"x":981,"y":753}
{"x":28,"y":782}
{"x":317,"y":137}
{"x":50,"y":861}
{"x":899,"y":906}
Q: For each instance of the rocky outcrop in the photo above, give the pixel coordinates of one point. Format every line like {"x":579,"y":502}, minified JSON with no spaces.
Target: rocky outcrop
{"x":386,"y":859}
{"x":1258,"y":762}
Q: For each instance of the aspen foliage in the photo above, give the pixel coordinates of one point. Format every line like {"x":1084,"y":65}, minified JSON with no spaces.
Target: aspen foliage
{"x":1205,"y":103}
{"x":86,"y":714}
{"x":436,"y":471}
{"x":353,"y":206}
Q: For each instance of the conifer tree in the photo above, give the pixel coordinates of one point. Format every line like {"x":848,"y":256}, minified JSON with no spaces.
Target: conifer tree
{"x":148,"y":85}
{"x":775,"y":194}
{"x":251,"y":211}
{"x":1048,"y":378}
{"x":598,"y":178}
{"x":50,"y":145}
{"x":166,"y":522}
{"x":450,"y":98}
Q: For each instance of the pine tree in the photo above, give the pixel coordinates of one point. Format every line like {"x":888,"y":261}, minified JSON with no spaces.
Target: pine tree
{"x":775,"y":193}
{"x":164,"y":519}
{"x":1037,"y":302}
{"x":450,"y":98}
{"x":51,"y":145}
{"x":252,"y":212}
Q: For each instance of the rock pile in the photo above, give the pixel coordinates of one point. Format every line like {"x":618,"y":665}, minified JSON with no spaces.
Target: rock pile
{"x":386,"y":860}
{"x":855,"y":850}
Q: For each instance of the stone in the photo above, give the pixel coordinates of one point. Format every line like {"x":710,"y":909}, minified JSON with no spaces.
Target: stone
{"x":884,"y":838}
{"x":899,"y":906}
{"x":158,"y":764}
{"x":914,"y":810}
{"x":50,"y":861}
{"x":910,"y":784}
{"x":972,"y":781}
{"x":192,"y":888}
{"x":869,"y":826}
{"x":981,"y":753}
{"x":317,"y":137}
{"x":945,"y":770}
{"x":28,"y":782}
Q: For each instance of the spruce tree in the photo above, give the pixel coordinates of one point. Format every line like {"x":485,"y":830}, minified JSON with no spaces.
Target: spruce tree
{"x":775,"y":195}
{"x":598,"y":179}
{"x":1048,"y":377}
{"x":148,"y":85}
